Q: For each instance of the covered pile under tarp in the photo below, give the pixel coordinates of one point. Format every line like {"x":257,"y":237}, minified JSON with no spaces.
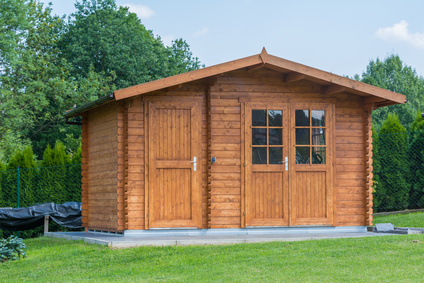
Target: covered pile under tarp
{"x":19,"y":219}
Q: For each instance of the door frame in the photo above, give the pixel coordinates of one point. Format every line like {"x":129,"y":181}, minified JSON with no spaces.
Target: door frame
{"x":196,"y":126}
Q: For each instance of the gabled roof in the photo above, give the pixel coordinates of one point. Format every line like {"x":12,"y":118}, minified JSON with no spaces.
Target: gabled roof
{"x":291,"y":71}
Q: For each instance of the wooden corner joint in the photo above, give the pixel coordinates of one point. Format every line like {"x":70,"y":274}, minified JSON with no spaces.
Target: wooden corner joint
{"x":264,"y":56}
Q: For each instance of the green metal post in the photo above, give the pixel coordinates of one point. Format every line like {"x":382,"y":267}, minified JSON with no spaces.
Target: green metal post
{"x":18,"y":188}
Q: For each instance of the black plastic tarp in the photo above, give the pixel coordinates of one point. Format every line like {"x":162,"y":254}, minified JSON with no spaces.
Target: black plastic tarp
{"x":19,"y":219}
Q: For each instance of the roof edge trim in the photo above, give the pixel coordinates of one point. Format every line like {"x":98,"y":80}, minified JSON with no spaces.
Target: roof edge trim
{"x":187,"y":77}
{"x":77,"y":111}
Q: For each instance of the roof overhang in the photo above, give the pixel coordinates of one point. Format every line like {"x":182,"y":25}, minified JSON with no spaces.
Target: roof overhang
{"x":78,"y":110}
{"x":291,"y":71}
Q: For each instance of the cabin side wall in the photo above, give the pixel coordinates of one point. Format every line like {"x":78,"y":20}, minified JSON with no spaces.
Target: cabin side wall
{"x":135,"y":165}
{"x":350,"y":166}
{"x":100,"y":168}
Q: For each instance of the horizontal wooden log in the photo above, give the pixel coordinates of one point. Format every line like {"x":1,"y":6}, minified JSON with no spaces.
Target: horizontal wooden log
{"x":227,"y":220}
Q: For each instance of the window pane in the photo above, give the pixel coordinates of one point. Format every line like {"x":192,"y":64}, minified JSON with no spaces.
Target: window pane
{"x":276,"y":136}
{"x":258,"y":136}
{"x":275,"y":118}
{"x":318,"y":136}
{"x":275,"y":155}
{"x":318,"y":155}
{"x":302,"y":136}
{"x":258,"y":117}
{"x":302,"y":155}
{"x":259,"y":155}
{"x":302,"y":117}
{"x":318,"y":118}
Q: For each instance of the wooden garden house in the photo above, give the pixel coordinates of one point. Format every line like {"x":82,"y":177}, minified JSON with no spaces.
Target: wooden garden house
{"x":256,"y":142}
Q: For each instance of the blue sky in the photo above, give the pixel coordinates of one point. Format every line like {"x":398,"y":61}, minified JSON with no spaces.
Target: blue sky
{"x":336,"y":36}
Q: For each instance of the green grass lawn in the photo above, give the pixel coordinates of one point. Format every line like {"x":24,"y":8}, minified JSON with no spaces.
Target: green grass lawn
{"x":402,"y":220}
{"x":386,"y":258}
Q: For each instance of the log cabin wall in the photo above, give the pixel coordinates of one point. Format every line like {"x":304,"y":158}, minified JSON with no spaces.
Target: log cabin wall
{"x":227,"y":174}
{"x":100,"y":169}
{"x":137,"y":184}
{"x":84,"y":170}
{"x":117,"y":176}
{"x":350,"y":169}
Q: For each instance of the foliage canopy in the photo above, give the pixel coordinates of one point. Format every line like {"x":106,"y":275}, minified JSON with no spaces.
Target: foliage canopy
{"x":392,"y":74}
{"x":49,"y":65}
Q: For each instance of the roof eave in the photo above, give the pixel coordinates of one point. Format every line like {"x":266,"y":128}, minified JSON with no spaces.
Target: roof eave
{"x":188,"y":77}
{"x":83,"y":108}
{"x":263,"y":59}
{"x":334,"y":79}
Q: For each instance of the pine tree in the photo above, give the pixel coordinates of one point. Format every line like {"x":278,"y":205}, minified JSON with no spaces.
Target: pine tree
{"x":416,"y":162}
{"x":26,"y":163}
{"x":376,"y":168}
{"x":3,"y":173}
{"x":54,"y":177}
{"x":392,"y":189}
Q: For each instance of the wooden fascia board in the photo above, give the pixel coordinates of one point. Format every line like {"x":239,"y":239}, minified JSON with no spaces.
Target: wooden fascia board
{"x":335,"y":79}
{"x":188,"y":77}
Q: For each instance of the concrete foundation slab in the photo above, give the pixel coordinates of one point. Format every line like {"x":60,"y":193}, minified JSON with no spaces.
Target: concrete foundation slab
{"x":182,"y":237}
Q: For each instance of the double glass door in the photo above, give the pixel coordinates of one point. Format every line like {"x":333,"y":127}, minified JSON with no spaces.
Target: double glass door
{"x":288,"y":164}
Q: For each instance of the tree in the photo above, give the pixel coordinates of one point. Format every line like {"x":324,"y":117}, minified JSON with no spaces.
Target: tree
{"x":77,"y":156}
{"x":26,"y":163}
{"x":394,"y":75}
{"x":34,"y":82}
{"x":113,"y":41}
{"x":48,"y":66}
{"x":391,"y":187}
{"x":416,"y":163}
{"x":36,"y":85}
{"x":23,"y":159}
{"x":54,"y":179}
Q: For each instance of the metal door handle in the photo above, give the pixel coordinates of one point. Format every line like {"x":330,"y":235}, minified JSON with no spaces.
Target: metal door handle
{"x":286,"y":161}
{"x":194,"y":163}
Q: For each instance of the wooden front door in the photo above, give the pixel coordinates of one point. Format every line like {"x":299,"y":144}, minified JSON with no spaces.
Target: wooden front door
{"x":174,"y":195}
{"x":288,"y":154}
{"x":266,"y":175}
{"x":311,"y":161}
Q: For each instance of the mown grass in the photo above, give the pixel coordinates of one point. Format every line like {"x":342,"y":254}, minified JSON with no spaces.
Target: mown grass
{"x":385,"y":258}
{"x":402,"y":220}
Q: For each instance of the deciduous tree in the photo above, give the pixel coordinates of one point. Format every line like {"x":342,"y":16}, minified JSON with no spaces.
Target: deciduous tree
{"x":392,"y":74}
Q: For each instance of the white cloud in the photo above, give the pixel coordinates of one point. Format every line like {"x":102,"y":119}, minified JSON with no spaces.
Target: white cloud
{"x":400,"y":32}
{"x":142,"y":11}
{"x":203,"y":31}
